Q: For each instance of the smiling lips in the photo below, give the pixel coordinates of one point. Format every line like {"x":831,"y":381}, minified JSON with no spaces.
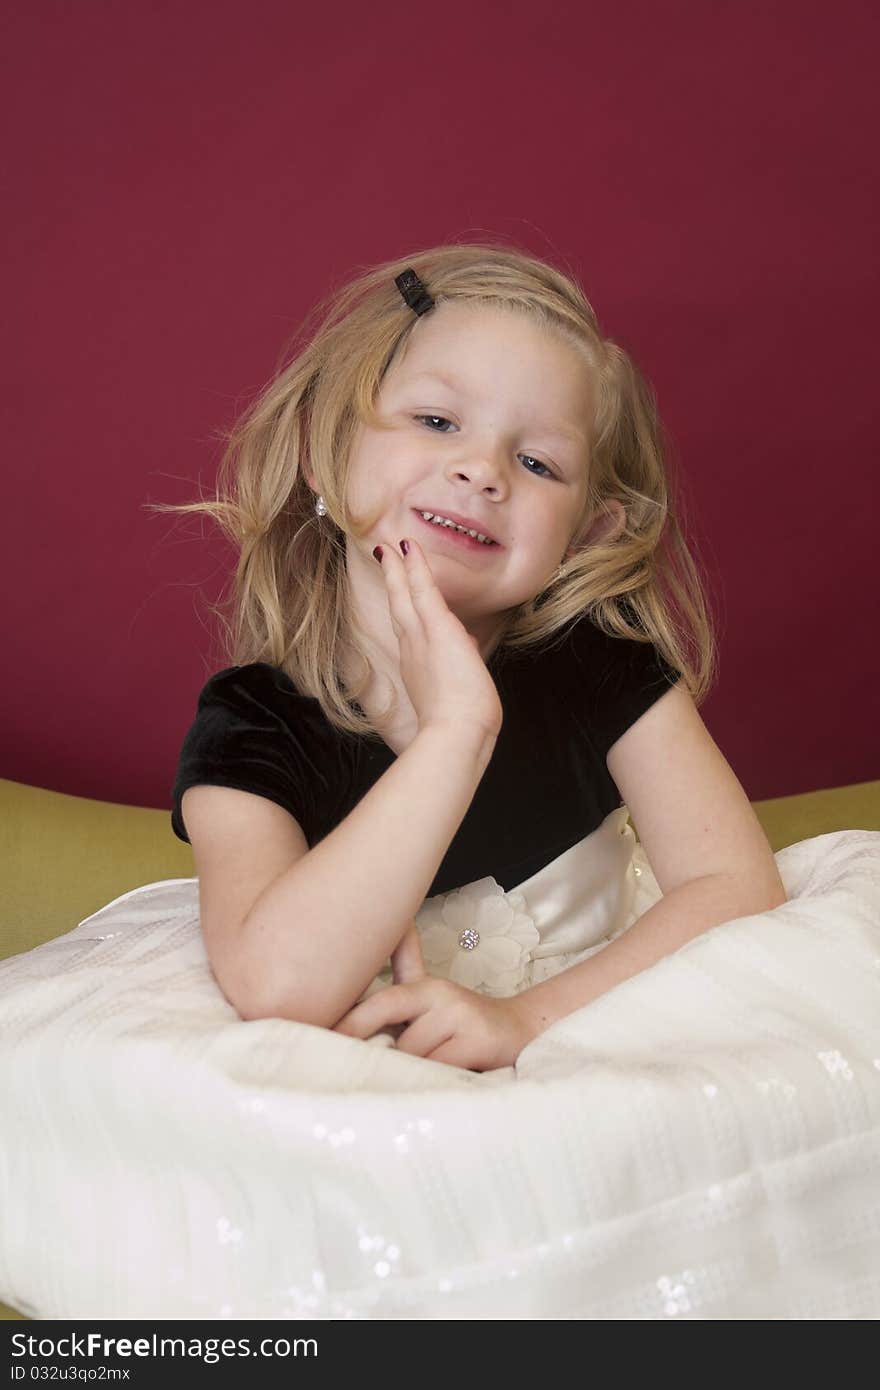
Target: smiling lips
{"x":457,"y":528}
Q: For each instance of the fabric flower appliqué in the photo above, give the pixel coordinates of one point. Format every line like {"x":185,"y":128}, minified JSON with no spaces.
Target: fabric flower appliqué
{"x":478,"y":936}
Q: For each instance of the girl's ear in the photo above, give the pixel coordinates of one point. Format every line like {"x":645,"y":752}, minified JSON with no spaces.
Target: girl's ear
{"x":603,"y":527}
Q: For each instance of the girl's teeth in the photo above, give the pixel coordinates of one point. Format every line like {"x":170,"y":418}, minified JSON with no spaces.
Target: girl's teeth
{"x":442,"y":521}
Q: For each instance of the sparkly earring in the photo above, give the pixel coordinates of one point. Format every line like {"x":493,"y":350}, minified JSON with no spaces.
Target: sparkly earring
{"x":321,"y":506}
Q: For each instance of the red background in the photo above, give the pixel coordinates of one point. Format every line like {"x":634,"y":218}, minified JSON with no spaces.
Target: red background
{"x":183,"y":181}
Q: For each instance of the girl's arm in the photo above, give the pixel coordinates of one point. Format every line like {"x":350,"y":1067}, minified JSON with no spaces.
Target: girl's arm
{"x":687,"y":911}
{"x":319,"y":933}
{"x":315,"y":938}
{"x":704,"y":843}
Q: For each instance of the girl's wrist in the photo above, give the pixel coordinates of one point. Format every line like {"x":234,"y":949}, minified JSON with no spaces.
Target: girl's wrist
{"x":473,"y":740}
{"x":536,"y":1009}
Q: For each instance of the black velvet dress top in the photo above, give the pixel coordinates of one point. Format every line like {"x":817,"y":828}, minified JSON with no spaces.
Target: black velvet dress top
{"x":546,"y":787}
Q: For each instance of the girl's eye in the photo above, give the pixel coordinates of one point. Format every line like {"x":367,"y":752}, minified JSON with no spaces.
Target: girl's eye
{"x":547,"y":472}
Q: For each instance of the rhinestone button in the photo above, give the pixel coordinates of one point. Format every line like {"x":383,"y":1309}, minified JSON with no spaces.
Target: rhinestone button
{"x":469,"y":939}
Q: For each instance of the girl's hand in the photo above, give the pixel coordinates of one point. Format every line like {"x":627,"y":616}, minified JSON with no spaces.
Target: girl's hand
{"x":447,"y":1023}
{"x":445,"y":676}
{"x":407,"y":963}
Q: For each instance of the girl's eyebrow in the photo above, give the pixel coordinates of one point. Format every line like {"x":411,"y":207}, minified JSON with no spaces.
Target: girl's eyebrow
{"x":561,"y":431}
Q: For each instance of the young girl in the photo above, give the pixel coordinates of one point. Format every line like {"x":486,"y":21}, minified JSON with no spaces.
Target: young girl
{"x":469,"y":641}
{"x":457,"y":651}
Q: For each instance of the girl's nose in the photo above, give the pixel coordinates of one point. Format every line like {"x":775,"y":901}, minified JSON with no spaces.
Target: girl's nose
{"x":483,"y":473}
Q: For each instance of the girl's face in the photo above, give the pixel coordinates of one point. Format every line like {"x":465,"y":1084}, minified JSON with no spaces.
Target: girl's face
{"x":491,"y":423}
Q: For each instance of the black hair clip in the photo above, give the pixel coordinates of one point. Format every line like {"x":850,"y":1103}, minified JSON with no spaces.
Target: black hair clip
{"x":413,"y":291}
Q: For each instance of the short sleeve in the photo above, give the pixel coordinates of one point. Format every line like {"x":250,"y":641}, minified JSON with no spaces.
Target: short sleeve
{"x":251,"y":733}
{"x":622,"y":678}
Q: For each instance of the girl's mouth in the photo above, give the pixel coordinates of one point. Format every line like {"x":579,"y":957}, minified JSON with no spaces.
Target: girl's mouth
{"x":460,"y":539}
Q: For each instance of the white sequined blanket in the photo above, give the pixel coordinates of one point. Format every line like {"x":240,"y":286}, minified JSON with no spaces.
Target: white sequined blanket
{"x":700,"y":1142}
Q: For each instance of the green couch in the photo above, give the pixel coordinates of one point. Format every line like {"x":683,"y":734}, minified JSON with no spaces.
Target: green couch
{"x":63,"y":856}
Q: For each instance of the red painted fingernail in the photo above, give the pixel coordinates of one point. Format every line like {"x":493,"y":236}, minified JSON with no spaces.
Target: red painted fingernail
{"x":404,"y":545}
{"x":377,"y":553}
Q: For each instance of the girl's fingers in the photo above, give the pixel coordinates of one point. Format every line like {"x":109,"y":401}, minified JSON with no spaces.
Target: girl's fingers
{"x":394,"y":1004}
{"x":400,"y":604}
{"x":425,"y":596}
{"x":426,"y":1034}
{"x":454,"y":1052}
{"x":440,"y":665}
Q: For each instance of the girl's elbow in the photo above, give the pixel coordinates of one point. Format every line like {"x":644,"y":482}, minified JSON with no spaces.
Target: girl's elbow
{"x":778,"y":894}
{"x":771,"y":897}
{"x":254,"y":997}
{"x":302,"y":1005}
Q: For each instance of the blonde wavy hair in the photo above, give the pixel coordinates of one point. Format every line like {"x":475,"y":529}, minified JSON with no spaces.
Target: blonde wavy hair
{"x":289,"y":598}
